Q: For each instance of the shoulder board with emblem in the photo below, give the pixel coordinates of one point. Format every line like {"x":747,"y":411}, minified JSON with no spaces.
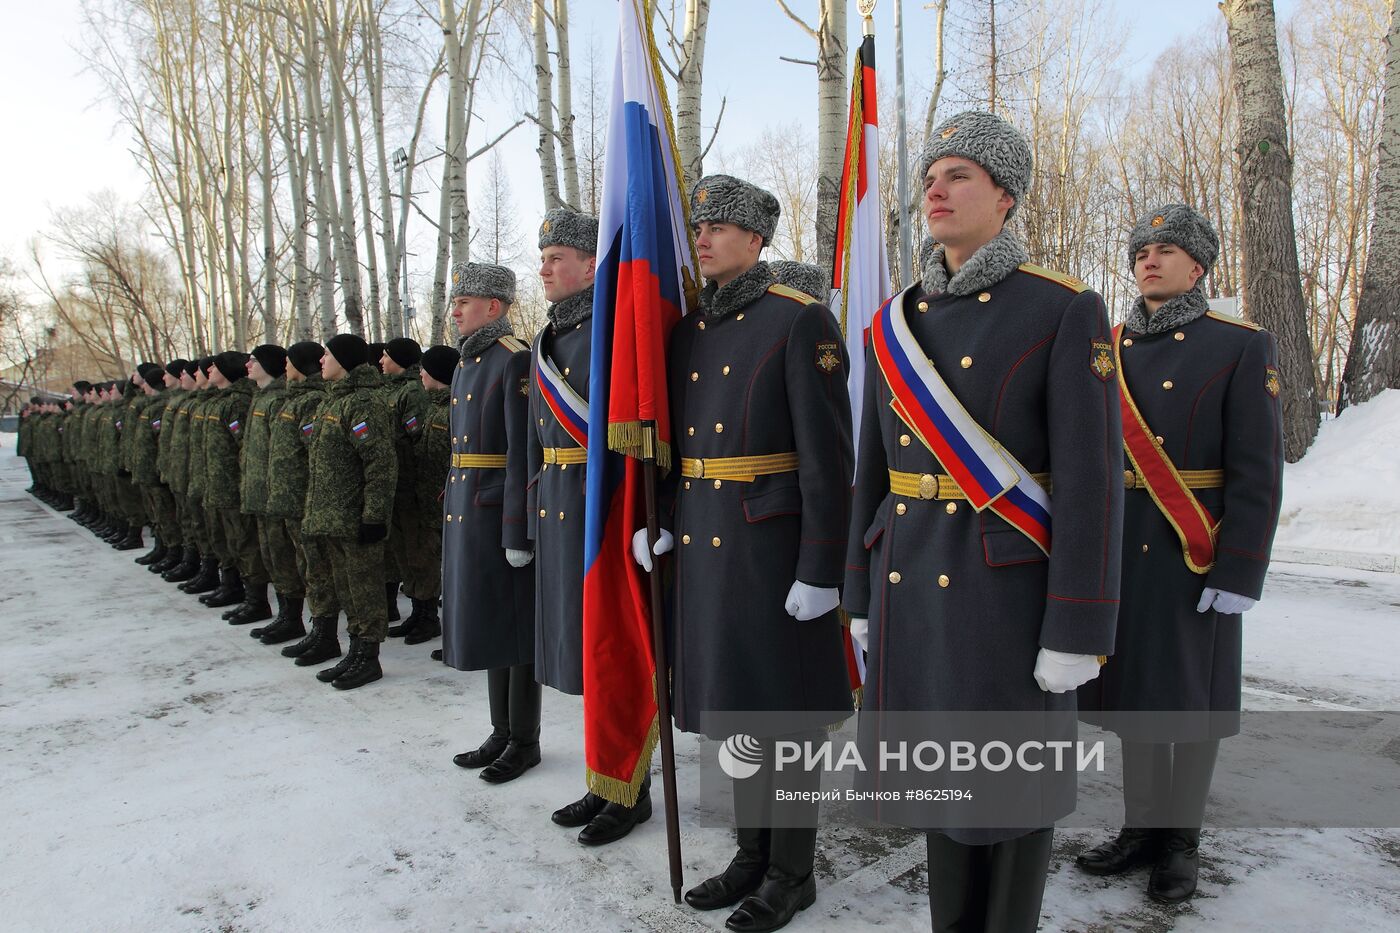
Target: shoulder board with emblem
{"x":1231,"y":319}
{"x":1050,"y":275}
{"x":791,"y":293}
{"x":513,"y":344}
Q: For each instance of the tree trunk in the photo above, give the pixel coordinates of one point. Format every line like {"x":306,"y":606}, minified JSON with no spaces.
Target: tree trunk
{"x":544,"y":106}
{"x":688,"y":87}
{"x":831,"y":124}
{"x":349,"y":257}
{"x":297,"y":169}
{"x":374,"y":77}
{"x":1273,"y":290}
{"x":322,"y":194}
{"x":568,"y":156}
{"x":1373,"y":362}
{"x":939,"y":72}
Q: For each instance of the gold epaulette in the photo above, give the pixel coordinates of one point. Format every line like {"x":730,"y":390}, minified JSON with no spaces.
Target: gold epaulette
{"x":784,"y":291}
{"x":1050,"y":275}
{"x":513,"y":344}
{"x":1231,"y":319}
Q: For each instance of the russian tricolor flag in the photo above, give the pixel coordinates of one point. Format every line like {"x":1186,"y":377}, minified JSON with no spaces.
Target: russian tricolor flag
{"x":644,"y":265}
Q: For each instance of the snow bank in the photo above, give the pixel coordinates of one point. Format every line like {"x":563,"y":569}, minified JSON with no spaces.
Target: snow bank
{"x":1345,"y":492}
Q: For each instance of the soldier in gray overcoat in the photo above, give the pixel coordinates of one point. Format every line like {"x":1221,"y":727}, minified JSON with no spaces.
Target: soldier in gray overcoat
{"x":1205,"y":386}
{"x":979,"y":610}
{"x":762,"y":425}
{"x":488,"y":590}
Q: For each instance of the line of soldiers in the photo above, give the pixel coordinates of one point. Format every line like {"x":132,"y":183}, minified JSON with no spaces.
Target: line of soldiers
{"x":995,"y":392}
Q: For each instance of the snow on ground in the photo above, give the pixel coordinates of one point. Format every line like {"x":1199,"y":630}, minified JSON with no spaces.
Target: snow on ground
{"x":1345,"y":492}
{"x":162,"y":771}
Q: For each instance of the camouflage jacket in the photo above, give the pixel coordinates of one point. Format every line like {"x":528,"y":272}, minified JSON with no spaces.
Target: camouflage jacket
{"x":172,"y":423}
{"x":351,"y":468}
{"x":267,"y":403}
{"x":408,"y":404}
{"x":196,"y":479}
{"x":144,"y":449}
{"x":289,"y":439}
{"x":73,"y":432}
{"x":432,"y":456}
{"x":225,"y":424}
{"x":131,"y":425}
{"x":106,"y":439}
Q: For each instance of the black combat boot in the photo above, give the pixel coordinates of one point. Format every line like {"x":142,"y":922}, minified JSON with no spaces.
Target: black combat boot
{"x":1173,"y":878}
{"x":229,"y":593}
{"x":391,"y":598}
{"x":788,"y":886}
{"x":345,"y":663}
{"x":207,"y":580}
{"x":428,"y":626}
{"x":115,"y":532}
{"x":286,"y":626}
{"x":254,"y":608}
{"x":320,"y":646}
{"x":155,"y":554}
{"x":365,"y":670}
{"x":522,"y":752}
{"x":132,"y":540}
{"x":1131,"y":848}
{"x":172,"y":557}
{"x":436,"y":654}
{"x":65,"y":503}
{"x":615,"y":821}
{"x":185,"y":569}
{"x":406,"y":626}
{"x":498,"y":701}
{"x":740,"y":879}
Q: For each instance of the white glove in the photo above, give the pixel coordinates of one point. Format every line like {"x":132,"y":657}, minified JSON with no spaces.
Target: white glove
{"x":860,"y":632}
{"x":1057,"y":672}
{"x":1227,"y":604}
{"x":664,"y":543}
{"x":517,"y":558}
{"x":805,"y":603}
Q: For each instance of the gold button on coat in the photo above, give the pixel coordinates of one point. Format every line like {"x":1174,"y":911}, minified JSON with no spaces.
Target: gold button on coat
{"x":895,"y":577}
{"x":1127,"y":341}
{"x":717,"y":483}
{"x":1168,"y":384}
{"x":1178,"y":336}
{"x":943,"y":580}
{"x":985,"y":297}
{"x":923,"y":306}
{"x":904,"y":440}
{"x":726,"y":370}
{"x":967,"y":362}
{"x":561,"y":516}
{"x":714,"y":541}
{"x":1159,"y":439}
{"x":690,"y":431}
{"x":1144,"y":549}
{"x":901,"y":508}
{"x":685,"y":539}
{"x":950,"y":508}
{"x":566,"y":370}
{"x":739,"y":317}
{"x":542,"y":513}
{"x":701,"y":325}
{"x":719,"y":428}
{"x":694,"y":377}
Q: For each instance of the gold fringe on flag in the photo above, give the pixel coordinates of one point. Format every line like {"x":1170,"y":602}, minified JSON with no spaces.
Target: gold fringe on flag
{"x":634,"y":439}
{"x":626,"y":792}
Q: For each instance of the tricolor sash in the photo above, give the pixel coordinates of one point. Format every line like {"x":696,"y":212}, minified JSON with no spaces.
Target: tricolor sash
{"x":987,"y":472}
{"x":1177,"y":503}
{"x":570,"y":408}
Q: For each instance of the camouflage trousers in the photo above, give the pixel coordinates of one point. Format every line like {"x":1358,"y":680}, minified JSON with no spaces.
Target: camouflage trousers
{"x":320,"y":578}
{"x":240,"y":534}
{"x":129,"y":502}
{"x":357,"y":571}
{"x":280,"y":545}
{"x":192,"y":523}
{"x":214,"y":534}
{"x":416,"y":549}
{"x":160,"y":505}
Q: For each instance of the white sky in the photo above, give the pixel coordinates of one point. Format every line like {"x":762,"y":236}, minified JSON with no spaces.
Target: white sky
{"x":62,"y":140}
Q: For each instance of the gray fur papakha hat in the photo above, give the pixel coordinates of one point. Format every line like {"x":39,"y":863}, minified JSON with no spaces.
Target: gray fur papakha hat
{"x":563,"y":227}
{"x":1181,"y":226}
{"x":988,"y":140}
{"x":728,"y":200}
{"x":802,"y":276}
{"x":483,"y":278}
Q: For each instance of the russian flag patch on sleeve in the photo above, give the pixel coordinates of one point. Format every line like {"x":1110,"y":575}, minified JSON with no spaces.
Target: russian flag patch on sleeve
{"x":361,"y":430}
{"x":234,"y":427}
{"x":308,"y":428}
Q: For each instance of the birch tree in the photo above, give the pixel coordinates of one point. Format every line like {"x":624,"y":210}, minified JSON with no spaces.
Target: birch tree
{"x":544,"y":105}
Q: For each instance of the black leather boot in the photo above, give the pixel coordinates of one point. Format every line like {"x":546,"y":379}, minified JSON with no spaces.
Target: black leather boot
{"x":427,"y":627}
{"x":740,"y":879}
{"x":325,"y":644}
{"x":114,"y":532}
{"x":615,"y":821}
{"x":435,"y":654}
{"x":131,"y":541}
{"x":155,"y":554}
{"x":1173,"y":878}
{"x":345,"y":663}
{"x":207,"y":580}
{"x":580,"y":812}
{"x":365,"y":670}
{"x":254,"y":608}
{"x":406,"y":626}
{"x":287,"y":625}
{"x":498,"y":699}
{"x":1131,"y":848}
{"x":788,"y":886}
{"x":174,"y":554}
{"x":313,"y":639}
{"x":227,"y":594}
{"x":186,"y":569}
{"x":522,"y":752}
{"x":391,"y":598}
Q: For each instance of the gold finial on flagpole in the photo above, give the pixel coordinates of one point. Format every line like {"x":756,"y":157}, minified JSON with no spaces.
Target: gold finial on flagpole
{"x":867,"y":10}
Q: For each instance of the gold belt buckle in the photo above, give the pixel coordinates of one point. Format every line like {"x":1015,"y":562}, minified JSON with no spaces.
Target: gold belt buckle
{"x":928,"y":486}
{"x":700,"y":465}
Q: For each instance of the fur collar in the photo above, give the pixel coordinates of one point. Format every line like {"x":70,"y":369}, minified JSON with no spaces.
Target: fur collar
{"x":478,"y":340}
{"x":997,"y":259}
{"x":575,"y":309}
{"x":717,"y":301}
{"x":1183,"y":309}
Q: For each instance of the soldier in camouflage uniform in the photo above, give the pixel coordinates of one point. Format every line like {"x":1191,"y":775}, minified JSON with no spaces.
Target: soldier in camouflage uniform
{"x":488,"y":588}
{"x":403,"y":552}
{"x":352,"y":471}
{"x":175,"y":470}
{"x":205,"y":395}
{"x":287,"y":446}
{"x":133,"y":510}
{"x":165,"y":502}
{"x":72,"y":436}
{"x":143,"y":453}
